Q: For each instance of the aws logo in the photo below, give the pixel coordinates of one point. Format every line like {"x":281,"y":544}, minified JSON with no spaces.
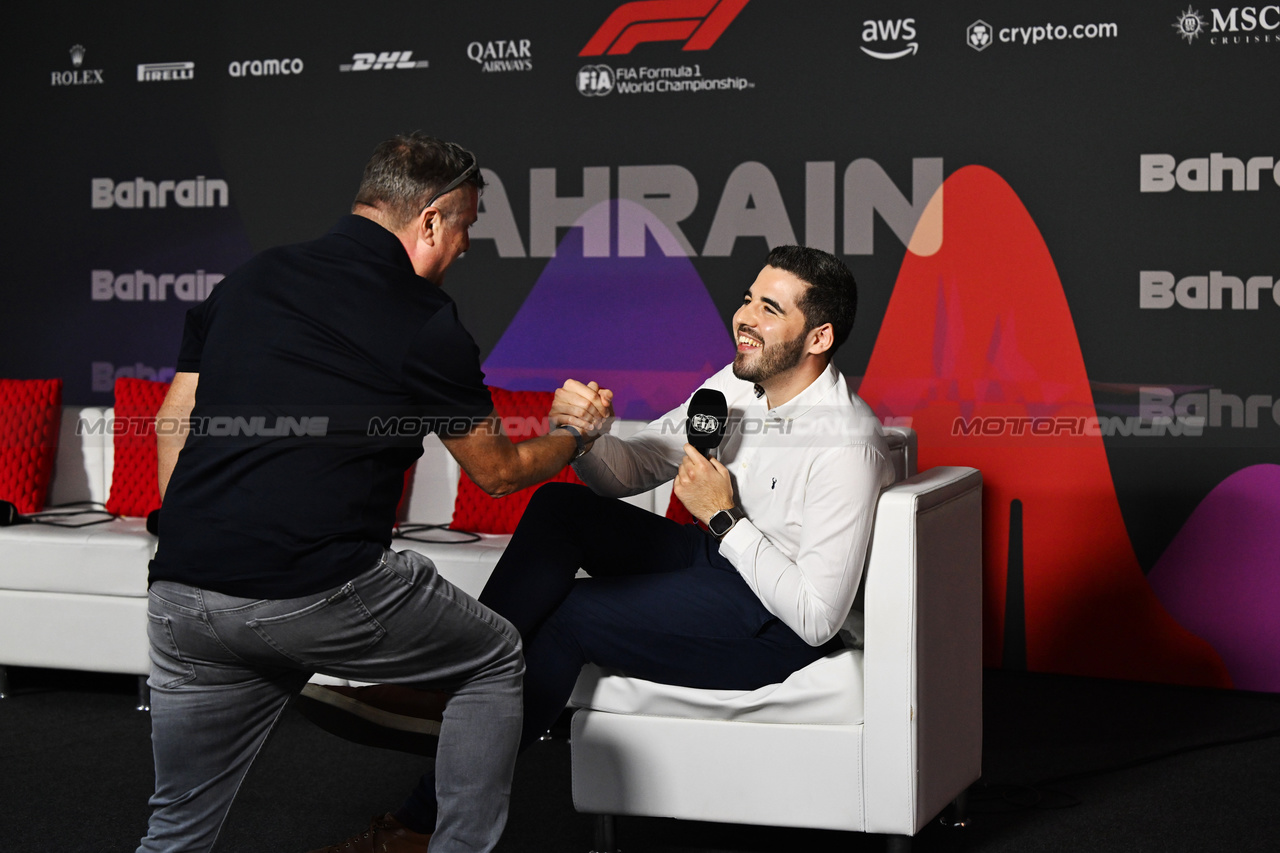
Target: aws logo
{"x":883,"y":34}
{"x":698,"y":23}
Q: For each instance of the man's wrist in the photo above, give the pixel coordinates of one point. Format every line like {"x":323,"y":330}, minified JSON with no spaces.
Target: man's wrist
{"x":723,"y":521}
{"x":579,"y":441}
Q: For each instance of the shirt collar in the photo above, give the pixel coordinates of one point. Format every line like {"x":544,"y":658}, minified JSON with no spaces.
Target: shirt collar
{"x":817,"y":391}
{"x":375,"y":238}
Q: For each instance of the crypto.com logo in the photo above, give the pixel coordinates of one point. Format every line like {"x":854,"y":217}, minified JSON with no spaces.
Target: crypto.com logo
{"x":698,"y":23}
{"x":978,"y":35}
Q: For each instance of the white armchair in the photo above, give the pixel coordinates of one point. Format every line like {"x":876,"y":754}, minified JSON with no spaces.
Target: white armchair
{"x":878,"y":739}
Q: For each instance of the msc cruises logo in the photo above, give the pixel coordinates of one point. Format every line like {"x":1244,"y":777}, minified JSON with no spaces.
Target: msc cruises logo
{"x":1189,"y":25}
{"x":697,"y":23}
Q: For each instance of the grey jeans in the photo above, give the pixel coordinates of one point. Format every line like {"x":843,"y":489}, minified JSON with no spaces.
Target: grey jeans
{"x":224,"y":668}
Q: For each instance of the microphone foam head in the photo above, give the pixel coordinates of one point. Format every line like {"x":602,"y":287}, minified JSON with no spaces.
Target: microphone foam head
{"x":708,"y":414}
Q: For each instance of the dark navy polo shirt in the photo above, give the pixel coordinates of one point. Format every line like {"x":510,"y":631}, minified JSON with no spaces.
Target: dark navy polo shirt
{"x":321,"y":365}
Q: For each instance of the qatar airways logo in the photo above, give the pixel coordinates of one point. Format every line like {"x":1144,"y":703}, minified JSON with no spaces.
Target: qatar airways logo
{"x":139,"y":192}
{"x":697,"y":23}
{"x":501,"y":55}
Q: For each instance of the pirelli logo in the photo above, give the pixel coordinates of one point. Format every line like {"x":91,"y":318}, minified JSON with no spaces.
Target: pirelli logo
{"x":697,"y":23}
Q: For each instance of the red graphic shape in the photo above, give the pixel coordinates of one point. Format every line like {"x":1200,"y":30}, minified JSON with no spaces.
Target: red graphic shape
{"x":699,"y":21}
{"x":981,"y":329}
{"x":656,"y":31}
{"x":715,"y":24}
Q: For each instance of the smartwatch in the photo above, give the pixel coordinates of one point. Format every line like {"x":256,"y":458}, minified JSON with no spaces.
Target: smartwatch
{"x":724,"y":520}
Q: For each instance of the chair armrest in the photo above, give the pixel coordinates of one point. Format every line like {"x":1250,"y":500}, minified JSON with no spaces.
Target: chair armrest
{"x":923,"y":648}
{"x":902,"y":449}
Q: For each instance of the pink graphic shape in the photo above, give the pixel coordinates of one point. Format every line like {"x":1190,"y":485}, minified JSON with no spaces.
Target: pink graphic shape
{"x":1220,"y":576}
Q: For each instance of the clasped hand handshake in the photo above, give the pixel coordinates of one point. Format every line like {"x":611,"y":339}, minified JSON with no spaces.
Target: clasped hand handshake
{"x":587,"y":408}
{"x":703,"y":485}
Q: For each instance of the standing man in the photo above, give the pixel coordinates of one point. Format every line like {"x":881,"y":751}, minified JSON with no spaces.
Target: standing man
{"x":273,"y":560}
{"x":787,"y":506}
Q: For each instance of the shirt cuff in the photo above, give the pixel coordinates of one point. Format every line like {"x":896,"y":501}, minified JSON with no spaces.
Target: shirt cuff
{"x":741,"y":540}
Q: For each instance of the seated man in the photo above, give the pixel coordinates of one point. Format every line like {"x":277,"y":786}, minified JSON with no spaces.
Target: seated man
{"x":745,"y":601}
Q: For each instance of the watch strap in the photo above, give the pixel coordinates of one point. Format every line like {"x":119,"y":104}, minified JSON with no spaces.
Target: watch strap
{"x":578,"y":439}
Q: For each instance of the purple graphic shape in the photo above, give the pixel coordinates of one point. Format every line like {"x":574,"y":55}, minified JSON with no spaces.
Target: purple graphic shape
{"x":1220,"y":576}
{"x":643,"y":326}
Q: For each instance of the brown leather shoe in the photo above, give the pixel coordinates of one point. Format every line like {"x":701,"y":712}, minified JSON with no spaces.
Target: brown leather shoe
{"x":384,"y":715}
{"x":385,"y":835}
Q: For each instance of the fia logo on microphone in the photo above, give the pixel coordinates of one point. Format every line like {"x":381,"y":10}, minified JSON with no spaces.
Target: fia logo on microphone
{"x":705,"y":424}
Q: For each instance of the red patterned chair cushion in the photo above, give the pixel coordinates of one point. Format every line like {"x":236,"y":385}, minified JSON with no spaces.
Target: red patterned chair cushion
{"x":676,"y":511}
{"x":135,"y":489}
{"x":30,"y":414}
{"x":475,"y":511}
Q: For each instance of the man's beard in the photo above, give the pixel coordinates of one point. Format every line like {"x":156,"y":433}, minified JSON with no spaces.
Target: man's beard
{"x":773,"y":359}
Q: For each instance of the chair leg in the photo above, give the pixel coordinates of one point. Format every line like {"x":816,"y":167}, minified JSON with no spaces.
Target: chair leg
{"x":144,"y":694}
{"x":897,"y":844}
{"x":4,"y":681}
{"x":606,"y":841}
{"x":956,"y":815}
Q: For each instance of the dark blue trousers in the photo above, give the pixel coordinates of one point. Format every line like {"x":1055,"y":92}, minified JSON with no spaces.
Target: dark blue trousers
{"x":661,"y":604}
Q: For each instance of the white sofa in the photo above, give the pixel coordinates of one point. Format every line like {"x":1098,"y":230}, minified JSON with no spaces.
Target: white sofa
{"x":77,"y":598}
{"x":876,"y":739}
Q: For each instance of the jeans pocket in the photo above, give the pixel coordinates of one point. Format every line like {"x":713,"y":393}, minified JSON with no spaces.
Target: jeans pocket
{"x":333,"y":630}
{"x":168,"y":669}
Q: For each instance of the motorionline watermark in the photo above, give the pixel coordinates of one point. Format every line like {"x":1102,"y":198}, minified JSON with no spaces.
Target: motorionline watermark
{"x":218,"y":426}
{"x":1069,"y":426}
{"x":313,"y":426}
{"x":526,"y":427}
{"x":413,"y":425}
{"x":1161,"y":412}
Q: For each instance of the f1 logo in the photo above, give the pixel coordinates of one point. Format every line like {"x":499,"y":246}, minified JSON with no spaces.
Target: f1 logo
{"x":698,"y":23}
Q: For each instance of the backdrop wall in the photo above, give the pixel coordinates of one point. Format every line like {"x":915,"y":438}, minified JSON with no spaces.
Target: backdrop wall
{"x":1062,"y":217}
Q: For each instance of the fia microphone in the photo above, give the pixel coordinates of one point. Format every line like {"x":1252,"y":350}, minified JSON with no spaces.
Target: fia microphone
{"x":708,"y":413}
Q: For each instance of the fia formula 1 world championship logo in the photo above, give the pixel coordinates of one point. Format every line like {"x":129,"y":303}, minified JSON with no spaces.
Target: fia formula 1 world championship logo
{"x":698,"y":23}
{"x":595,"y":81}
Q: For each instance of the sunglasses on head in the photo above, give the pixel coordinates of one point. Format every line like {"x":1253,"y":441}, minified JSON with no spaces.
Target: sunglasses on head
{"x":454,"y":184}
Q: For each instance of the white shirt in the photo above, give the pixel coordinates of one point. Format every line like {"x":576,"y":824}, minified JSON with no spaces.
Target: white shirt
{"x":806,"y":473}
